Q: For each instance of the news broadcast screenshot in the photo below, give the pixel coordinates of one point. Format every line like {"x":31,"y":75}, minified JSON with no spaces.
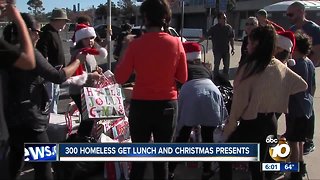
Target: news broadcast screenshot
{"x":159,"y":89}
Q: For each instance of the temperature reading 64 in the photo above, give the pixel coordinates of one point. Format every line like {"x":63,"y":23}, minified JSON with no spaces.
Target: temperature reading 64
{"x":292,"y":167}
{"x":288,"y":166}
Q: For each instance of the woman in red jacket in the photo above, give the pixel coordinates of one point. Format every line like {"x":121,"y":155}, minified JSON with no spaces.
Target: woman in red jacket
{"x":158,"y":61}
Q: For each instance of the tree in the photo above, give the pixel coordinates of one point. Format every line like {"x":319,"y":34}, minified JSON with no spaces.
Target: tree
{"x":127,"y":8}
{"x":102,"y":11}
{"x":36,"y":7}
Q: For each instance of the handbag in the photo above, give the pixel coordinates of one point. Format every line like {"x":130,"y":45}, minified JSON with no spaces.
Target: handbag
{"x":35,"y":110}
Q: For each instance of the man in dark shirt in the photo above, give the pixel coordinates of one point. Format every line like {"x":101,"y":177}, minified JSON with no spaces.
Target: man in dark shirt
{"x":296,"y":14}
{"x":22,"y":58}
{"x":51,"y":47}
{"x":222,"y":37}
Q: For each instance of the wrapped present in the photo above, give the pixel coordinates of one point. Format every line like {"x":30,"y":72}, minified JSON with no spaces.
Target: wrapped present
{"x":102,"y":103}
{"x":119,"y":130}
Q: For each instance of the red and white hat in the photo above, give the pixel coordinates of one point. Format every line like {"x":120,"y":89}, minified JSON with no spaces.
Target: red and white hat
{"x":193,"y":50}
{"x":286,"y":40}
{"x":84,"y":31}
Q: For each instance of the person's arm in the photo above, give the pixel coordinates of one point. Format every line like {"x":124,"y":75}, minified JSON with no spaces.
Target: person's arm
{"x":240,"y":102}
{"x":124,"y":67}
{"x":182,"y":69}
{"x":26,"y":60}
{"x":296,"y":82}
{"x":231,"y":36}
{"x":315,"y":55}
{"x":49,"y":73}
{"x":315,"y":51}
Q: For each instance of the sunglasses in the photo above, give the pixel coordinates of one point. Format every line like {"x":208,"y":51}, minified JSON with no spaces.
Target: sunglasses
{"x":290,"y":14}
{"x":249,"y":24}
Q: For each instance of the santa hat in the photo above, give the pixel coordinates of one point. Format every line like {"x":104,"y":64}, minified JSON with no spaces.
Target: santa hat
{"x":193,"y":50}
{"x":83,"y":31}
{"x":286,"y":40}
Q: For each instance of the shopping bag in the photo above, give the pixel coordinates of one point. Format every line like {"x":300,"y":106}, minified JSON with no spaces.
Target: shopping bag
{"x":102,"y":103}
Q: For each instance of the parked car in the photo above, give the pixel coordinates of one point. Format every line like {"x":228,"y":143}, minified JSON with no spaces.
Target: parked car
{"x":137,"y":30}
{"x":101,"y":31}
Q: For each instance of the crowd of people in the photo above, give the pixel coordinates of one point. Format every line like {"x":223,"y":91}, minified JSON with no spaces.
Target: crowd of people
{"x":173,"y":91}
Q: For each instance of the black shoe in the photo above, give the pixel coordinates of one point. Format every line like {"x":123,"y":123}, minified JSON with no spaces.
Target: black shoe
{"x":308,"y":147}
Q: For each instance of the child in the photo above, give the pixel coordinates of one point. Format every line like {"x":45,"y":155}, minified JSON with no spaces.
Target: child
{"x":300,"y":104}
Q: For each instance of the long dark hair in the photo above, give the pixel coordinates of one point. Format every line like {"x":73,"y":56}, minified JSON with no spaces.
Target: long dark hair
{"x":157,"y":13}
{"x":263,"y":52}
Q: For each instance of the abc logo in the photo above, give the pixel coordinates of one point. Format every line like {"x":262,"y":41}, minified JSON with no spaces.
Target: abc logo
{"x":279,"y":150}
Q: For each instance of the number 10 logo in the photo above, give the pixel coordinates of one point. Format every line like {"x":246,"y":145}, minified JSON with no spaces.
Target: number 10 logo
{"x":280,"y":150}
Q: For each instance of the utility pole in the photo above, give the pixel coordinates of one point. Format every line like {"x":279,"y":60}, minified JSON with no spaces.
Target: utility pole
{"x":182,"y":18}
{"x":109,"y":35}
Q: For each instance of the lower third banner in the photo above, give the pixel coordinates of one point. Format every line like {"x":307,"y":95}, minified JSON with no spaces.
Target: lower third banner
{"x":159,"y":152}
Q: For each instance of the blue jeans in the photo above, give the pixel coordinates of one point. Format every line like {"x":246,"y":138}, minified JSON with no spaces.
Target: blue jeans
{"x":53,"y":93}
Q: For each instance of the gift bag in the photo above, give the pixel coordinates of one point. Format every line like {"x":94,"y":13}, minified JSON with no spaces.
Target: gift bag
{"x":102,"y":103}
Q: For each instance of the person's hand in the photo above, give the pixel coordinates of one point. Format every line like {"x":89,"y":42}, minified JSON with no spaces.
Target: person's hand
{"x":95,"y":76}
{"x":232,"y":51}
{"x":81,"y":57}
{"x":9,"y":9}
{"x":99,"y":70}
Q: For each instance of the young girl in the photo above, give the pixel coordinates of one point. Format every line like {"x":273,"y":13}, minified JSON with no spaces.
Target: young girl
{"x":264,"y":87}
{"x":84,"y":38}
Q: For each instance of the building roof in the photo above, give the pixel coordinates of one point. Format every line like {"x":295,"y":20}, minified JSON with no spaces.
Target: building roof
{"x":282,"y":6}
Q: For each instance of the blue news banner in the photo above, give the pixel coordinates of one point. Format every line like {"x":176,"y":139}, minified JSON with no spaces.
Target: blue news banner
{"x":142,"y":152}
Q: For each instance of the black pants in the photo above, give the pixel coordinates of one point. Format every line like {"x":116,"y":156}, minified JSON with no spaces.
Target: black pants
{"x":252,"y":131}
{"x":19,"y":136}
{"x":4,"y":160}
{"x":184,"y":135}
{"x":85,"y":127}
{"x":310,"y":127}
{"x":151,"y":117}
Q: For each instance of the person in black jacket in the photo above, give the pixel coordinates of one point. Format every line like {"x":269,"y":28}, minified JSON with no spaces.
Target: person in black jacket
{"x":51,"y":47}
{"x":27,"y":113}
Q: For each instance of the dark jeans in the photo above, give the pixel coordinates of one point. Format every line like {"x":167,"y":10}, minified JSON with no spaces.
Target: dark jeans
{"x":19,"y":136}
{"x":85,"y":127}
{"x":310,"y":127}
{"x":184,"y":135}
{"x":151,"y":117}
{"x":252,"y":131}
{"x":225,"y":59}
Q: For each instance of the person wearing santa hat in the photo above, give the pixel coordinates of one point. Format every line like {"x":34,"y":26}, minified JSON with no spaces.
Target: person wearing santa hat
{"x":285,"y":45}
{"x":200,"y":103}
{"x":300,"y":104}
{"x":84,"y":39}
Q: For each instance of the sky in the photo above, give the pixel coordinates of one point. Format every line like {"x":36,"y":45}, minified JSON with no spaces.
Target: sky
{"x":51,"y":4}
